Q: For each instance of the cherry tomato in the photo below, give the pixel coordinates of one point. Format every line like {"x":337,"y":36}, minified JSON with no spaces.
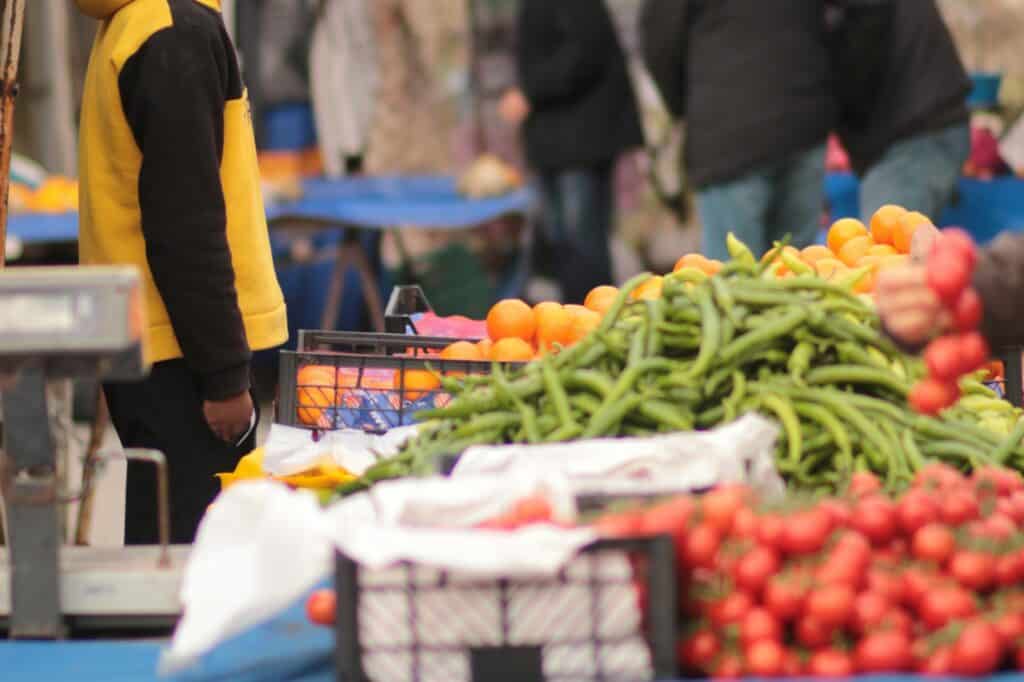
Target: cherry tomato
{"x":764,"y":658}
{"x":701,"y":547}
{"x":755,"y":568}
{"x":812,"y":633}
{"x":934,"y":542}
{"x":974,"y":351}
{"x":729,"y":666}
{"x":322,"y":607}
{"x":883,"y":652}
{"x":869,"y":609}
{"x":887,"y":583}
{"x":1010,"y":626}
{"x":699,"y":648}
{"x":831,"y":604}
{"x":719,"y":507}
{"x":931,"y":396}
{"x":973,"y":570}
{"x":958,"y":242}
{"x":977,"y":650}
{"x":943,"y":360}
{"x":915,"y":510}
{"x":968,"y":311}
{"x":1009,"y":570}
{"x":758,"y":624}
{"x":959,"y":507}
{"x":942,"y":605}
{"x":875,"y":517}
{"x":784,"y":597}
{"x":807,"y":531}
{"x":830,"y":663}
{"x":864,"y":483}
{"x":770,"y":530}
{"x":744,"y":523}
{"x":731,"y":609}
{"x":669,"y":518}
{"x":948,"y":276}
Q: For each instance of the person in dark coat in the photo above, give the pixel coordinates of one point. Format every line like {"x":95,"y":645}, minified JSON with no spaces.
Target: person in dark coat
{"x":579,"y":113}
{"x":752,"y":80}
{"x":903,"y":95}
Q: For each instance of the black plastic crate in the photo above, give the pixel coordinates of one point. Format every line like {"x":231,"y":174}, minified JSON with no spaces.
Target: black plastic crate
{"x":418,"y":600}
{"x":1011,"y":386}
{"x":404,"y":302}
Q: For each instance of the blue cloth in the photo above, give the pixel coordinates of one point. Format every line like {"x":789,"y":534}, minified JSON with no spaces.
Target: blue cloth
{"x":765,"y":205}
{"x":35,"y":228}
{"x":918,"y":173}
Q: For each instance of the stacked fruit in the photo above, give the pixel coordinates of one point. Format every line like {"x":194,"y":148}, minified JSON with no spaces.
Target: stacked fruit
{"x":931,"y":581}
{"x":963,"y":351}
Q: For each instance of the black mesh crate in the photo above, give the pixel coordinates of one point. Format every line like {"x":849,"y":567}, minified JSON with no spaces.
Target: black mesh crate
{"x":374,"y":382}
{"x":418,"y":624}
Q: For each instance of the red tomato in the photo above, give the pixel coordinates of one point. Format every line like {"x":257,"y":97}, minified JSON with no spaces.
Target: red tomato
{"x":812,"y":633}
{"x":755,"y":568}
{"x":322,"y":607}
{"x":765,"y":658}
{"x":730,"y":609}
{"x":974,"y":351}
{"x":934,"y":542}
{"x":977,"y":650}
{"x":792,"y":665}
{"x":1020,"y":658}
{"x":758,"y":624}
{"x":959,"y":243}
{"x":943,"y":360}
{"x":744,"y":524}
{"x":770,"y":530}
{"x":917,"y":582}
{"x":883,"y":652}
{"x":959,"y":507}
{"x":864,"y":483}
{"x":728,"y":667}
{"x":830,"y":663}
{"x":887,"y":583}
{"x":942,"y":605}
{"x":915,"y":510}
{"x":669,"y":518}
{"x":784,"y":597}
{"x":875,"y":517}
{"x":999,"y":526}
{"x":1010,"y":626}
{"x":831,"y":604}
{"x":719,"y":506}
{"x":699,"y":648}
{"x":701,"y":547}
{"x":936,"y":662}
{"x":937,"y":475}
{"x":840,"y":568}
{"x":838,"y":511}
{"x":973,"y":570}
{"x":931,"y":396}
{"x":898,"y":619}
{"x":967,"y":311}
{"x":1017,"y":501}
{"x":1009,"y":570}
{"x":948,"y":276}
{"x":807,"y":531}
{"x":869,"y":610}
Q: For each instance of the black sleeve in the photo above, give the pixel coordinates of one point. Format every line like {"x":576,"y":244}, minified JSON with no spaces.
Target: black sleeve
{"x":547,"y":73}
{"x":173,"y":91}
{"x":663,"y":42}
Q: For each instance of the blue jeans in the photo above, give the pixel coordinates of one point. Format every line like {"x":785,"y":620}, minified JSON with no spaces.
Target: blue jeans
{"x":919,"y":173}
{"x":577,"y":205}
{"x":765,"y":205}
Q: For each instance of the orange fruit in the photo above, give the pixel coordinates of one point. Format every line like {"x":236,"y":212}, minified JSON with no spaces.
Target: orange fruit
{"x":854,"y":250}
{"x":843,"y":231}
{"x":316,"y":390}
{"x":828,"y":268}
{"x":553,"y":325}
{"x":483,"y":347}
{"x":511,"y":349}
{"x":583,"y":322}
{"x":883,"y":223}
{"x":882,"y":250}
{"x":692,"y":260}
{"x":649,"y":290}
{"x":511,"y":318}
{"x":906,"y":226}
{"x":812,"y":254}
{"x":600,"y":298}
{"x":461,"y":350}
{"x":417,"y":383}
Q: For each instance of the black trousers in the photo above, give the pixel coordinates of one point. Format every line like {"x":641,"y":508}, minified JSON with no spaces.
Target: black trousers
{"x":165,"y":412}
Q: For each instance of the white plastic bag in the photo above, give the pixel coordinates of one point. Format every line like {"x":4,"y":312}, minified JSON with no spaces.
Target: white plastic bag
{"x":289,"y":450}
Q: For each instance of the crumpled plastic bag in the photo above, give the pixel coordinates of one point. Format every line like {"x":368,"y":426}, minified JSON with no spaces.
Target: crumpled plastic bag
{"x":290,"y":450}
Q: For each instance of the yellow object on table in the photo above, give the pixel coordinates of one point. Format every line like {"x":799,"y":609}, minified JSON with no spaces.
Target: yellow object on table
{"x":326,"y":474}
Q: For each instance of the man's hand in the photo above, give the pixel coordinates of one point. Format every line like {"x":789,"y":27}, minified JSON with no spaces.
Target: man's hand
{"x":921,"y":245}
{"x":514,"y":108}
{"x":229,"y":419}
{"x":909,"y":309}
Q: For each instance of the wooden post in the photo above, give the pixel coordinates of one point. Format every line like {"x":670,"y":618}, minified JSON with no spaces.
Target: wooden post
{"x":12,"y":16}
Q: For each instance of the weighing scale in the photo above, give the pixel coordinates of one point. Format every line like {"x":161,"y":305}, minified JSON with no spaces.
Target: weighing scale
{"x":58,"y":323}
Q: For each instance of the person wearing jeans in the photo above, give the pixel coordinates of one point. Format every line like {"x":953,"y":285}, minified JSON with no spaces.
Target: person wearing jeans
{"x":578,"y":112}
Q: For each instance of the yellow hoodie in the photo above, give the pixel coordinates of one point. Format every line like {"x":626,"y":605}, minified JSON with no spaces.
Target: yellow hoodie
{"x":170,"y":183}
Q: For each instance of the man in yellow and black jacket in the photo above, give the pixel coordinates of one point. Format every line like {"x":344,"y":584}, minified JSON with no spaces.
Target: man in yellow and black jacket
{"x":170,"y":183}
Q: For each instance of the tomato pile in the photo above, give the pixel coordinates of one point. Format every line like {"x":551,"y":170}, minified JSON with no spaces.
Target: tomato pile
{"x":931,"y":581}
{"x":963,"y":351}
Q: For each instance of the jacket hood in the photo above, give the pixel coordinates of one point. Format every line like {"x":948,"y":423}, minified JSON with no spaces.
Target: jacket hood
{"x":100,"y":9}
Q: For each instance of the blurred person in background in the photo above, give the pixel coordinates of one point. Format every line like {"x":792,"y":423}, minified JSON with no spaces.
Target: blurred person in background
{"x":578,"y":112}
{"x":752,"y":81}
{"x":903,"y":93}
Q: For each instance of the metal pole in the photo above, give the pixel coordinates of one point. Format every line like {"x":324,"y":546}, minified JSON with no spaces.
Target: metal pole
{"x":46,"y":81}
{"x":12,"y":16}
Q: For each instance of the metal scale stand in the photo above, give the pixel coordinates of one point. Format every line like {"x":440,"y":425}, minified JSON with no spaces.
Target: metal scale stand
{"x":66,"y":323}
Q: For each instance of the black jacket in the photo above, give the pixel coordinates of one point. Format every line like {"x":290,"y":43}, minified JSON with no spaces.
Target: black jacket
{"x":573,"y":72}
{"x":911,"y":78}
{"x":751,"y":78}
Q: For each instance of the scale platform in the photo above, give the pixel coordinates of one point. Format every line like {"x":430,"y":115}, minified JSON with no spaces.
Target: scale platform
{"x":112,"y":588}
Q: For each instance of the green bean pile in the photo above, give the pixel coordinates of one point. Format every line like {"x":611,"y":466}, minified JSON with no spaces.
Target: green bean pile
{"x":802,"y":350}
